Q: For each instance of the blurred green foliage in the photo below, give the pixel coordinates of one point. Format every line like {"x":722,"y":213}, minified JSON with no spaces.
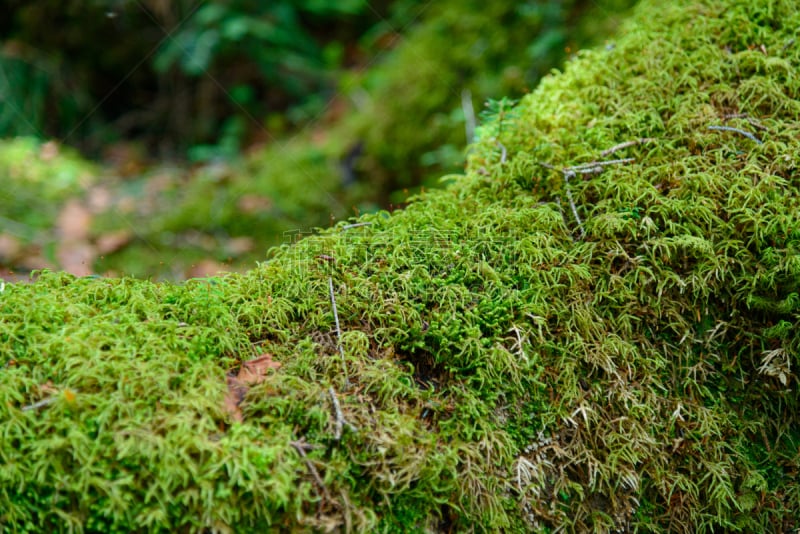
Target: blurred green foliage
{"x":342,"y":110}
{"x":37,"y":177}
{"x":172,"y":73}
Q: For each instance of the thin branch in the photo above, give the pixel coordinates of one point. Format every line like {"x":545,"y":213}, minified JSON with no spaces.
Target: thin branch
{"x":626,"y":144}
{"x":355,"y":225}
{"x":503,"y":153}
{"x":301,"y":446}
{"x":596,"y":167}
{"x":572,"y":203}
{"x":338,"y":332}
{"x":340,"y":420}
{"x":41,"y":404}
{"x":737,"y":130}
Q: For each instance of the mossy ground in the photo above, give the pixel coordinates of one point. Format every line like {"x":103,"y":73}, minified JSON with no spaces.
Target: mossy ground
{"x":550,"y":342}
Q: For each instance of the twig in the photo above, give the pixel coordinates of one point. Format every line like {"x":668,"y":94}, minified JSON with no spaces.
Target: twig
{"x":787,"y":45}
{"x":504,"y":152}
{"x":469,"y":115}
{"x":356,"y":225}
{"x":596,"y":167}
{"x":340,"y":420}
{"x":737,"y":130}
{"x":41,"y":404}
{"x":572,"y":203}
{"x":626,"y":144}
{"x":338,"y":333}
{"x":301,"y":446}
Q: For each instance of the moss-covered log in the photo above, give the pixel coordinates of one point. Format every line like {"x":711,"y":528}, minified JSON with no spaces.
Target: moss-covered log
{"x":595,"y":328}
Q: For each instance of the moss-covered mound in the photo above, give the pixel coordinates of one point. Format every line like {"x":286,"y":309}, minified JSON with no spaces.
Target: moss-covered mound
{"x":595,"y":328}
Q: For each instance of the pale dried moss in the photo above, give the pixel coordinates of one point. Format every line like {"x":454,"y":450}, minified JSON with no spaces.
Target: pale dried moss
{"x":511,"y":367}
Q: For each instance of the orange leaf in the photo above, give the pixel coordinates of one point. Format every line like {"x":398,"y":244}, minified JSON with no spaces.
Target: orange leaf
{"x":255,"y":371}
{"x":252,"y":372}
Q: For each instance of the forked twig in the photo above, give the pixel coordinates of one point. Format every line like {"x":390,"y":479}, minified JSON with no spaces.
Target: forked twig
{"x":340,"y":420}
{"x":593,"y":167}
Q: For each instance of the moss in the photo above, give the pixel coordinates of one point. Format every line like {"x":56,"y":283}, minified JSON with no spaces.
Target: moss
{"x":547,"y":343}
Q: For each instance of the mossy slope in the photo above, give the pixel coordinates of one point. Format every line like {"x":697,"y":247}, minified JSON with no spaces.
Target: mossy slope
{"x":540,"y":345}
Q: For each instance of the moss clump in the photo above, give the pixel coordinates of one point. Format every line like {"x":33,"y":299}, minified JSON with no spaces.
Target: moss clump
{"x":550,"y":342}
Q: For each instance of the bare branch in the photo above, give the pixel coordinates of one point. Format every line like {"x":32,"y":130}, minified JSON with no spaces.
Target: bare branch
{"x":338,"y":332}
{"x":340,"y":420}
{"x":572,"y":203}
{"x":301,"y":446}
{"x":626,"y":144}
{"x":355,"y":225}
{"x":737,"y":130}
{"x":504,"y":152}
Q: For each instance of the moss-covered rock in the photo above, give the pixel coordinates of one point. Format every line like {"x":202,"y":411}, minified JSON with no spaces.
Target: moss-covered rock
{"x":594,"y":328}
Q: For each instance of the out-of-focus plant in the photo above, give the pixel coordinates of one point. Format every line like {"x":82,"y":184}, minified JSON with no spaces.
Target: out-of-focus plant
{"x":271,"y":34}
{"x":171,"y":73}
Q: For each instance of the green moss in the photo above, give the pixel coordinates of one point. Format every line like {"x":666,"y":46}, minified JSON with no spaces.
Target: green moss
{"x":540,"y":345}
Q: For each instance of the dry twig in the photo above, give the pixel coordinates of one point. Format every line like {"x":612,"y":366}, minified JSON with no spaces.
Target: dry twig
{"x":503,"y":153}
{"x":572,"y":202}
{"x":595,"y":167}
{"x":338,"y":332}
{"x":355,"y":225}
{"x":301,"y":447}
{"x":626,"y":144}
{"x":340,"y":420}
{"x":737,"y":130}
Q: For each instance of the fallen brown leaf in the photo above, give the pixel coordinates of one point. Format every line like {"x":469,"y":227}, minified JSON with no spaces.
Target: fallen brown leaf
{"x":10,"y":248}
{"x":74,"y":221}
{"x":76,"y":257}
{"x":251,"y":372}
{"x":113,"y":241}
{"x":255,"y":371}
